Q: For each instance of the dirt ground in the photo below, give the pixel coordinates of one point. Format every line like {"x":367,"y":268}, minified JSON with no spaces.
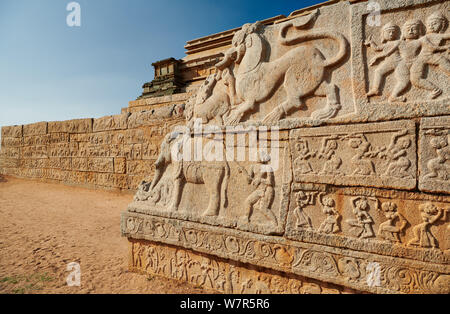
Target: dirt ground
{"x":44,"y":227}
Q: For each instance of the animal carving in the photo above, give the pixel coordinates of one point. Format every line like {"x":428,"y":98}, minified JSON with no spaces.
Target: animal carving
{"x":213,"y":175}
{"x":209,"y":106}
{"x":302,"y":71}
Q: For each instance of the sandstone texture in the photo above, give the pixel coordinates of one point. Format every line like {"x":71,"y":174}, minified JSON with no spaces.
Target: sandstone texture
{"x":311,"y":154}
{"x":107,"y":153}
{"x":330,"y":159}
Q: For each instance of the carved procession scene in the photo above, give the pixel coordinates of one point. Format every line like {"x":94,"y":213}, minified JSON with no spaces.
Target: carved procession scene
{"x":322,"y":155}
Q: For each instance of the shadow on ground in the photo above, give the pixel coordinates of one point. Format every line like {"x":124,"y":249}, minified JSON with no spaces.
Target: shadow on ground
{"x":2,"y":179}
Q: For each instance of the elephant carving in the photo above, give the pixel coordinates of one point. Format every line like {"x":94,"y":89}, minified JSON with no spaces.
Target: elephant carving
{"x":301,"y":71}
{"x":213,"y":175}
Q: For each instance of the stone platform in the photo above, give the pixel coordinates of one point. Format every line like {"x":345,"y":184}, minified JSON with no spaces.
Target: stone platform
{"x":314,"y":158}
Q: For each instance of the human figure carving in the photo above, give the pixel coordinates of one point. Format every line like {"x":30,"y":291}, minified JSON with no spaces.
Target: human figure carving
{"x":303,"y":199}
{"x":438,"y":167}
{"x":389,"y":52}
{"x":209,"y":272}
{"x":262,"y":179}
{"x":139,"y":253}
{"x":257,"y":80}
{"x":363,"y":222}
{"x":363,"y":151}
{"x":422,"y":233}
{"x":410,"y":47}
{"x":388,"y":229}
{"x":397,"y":153}
{"x":331,"y":223}
{"x":328,"y":152}
{"x":431,"y":54}
{"x":301,"y":164}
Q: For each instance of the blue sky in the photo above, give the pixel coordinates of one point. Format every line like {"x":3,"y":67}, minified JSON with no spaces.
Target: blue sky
{"x":52,"y":72}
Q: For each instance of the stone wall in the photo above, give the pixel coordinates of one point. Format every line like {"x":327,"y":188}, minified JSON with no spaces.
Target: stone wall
{"x":351,"y":188}
{"x":113,"y":152}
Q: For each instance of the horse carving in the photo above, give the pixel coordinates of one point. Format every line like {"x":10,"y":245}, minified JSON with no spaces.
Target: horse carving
{"x":302,"y":72}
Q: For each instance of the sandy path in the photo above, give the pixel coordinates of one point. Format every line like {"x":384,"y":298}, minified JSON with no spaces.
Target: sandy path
{"x":43,"y":227}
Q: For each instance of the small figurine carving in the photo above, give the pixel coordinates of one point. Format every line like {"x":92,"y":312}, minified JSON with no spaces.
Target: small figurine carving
{"x":361,"y":145}
{"x":388,"y":230}
{"x":389,"y":52}
{"x":397,"y":154}
{"x":303,"y":199}
{"x":431,"y":54}
{"x":363,"y":222}
{"x":301,"y":164}
{"x":438,"y":166}
{"x":262,"y":179}
{"x":328,"y":152}
{"x":422,"y":233}
{"x":331,"y":223}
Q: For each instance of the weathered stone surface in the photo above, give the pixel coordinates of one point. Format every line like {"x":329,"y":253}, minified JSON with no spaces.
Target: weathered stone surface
{"x":120,"y":165}
{"x":218,"y":274}
{"x":343,"y":205}
{"x":71,"y":126}
{"x":12,"y":131}
{"x":39,"y":128}
{"x":349,"y":268}
{"x":378,"y":221}
{"x":117,"y":122}
{"x":101,"y":164}
{"x":357,"y":195}
{"x":434,"y":155}
{"x":147,"y":117}
{"x":379,"y":154}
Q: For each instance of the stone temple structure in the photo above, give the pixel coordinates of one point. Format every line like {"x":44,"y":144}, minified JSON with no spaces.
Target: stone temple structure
{"x":299,"y":154}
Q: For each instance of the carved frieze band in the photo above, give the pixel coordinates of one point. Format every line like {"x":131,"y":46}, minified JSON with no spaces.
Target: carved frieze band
{"x":325,"y":263}
{"x":219,"y":275}
{"x":379,"y":155}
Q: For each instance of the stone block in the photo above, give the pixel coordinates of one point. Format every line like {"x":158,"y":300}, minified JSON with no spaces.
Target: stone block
{"x":377,"y":155}
{"x":71,"y":126}
{"x":434,"y":155}
{"x":110,"y":123}
{"x":12,"y":131}
{"x":39,"y":128}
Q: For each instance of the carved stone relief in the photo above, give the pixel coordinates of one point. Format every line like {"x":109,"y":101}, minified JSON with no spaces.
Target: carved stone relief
{"x":404,"y":65}
{"x":381,"y":154}
{"x":402,"y":218}
{"x":217,"y":275}
{"x":249,"y":195}
{"x":434,"y":157}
